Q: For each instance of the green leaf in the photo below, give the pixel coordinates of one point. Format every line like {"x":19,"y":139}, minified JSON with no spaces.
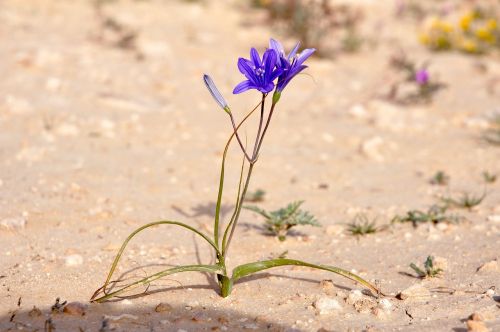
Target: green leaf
{"x":258,"y":210}
{"x":156,"y":223}
{"x":153,"y":277}
{"x":250,"y":268}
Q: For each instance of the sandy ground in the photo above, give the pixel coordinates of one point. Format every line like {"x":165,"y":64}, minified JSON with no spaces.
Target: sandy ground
{"x":96,"y":140}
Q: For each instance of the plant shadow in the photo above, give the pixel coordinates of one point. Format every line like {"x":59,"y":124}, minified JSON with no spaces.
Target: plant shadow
{"x":116,"y":317}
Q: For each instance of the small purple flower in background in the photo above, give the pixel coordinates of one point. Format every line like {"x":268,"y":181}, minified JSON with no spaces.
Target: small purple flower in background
{"x":422,"y":77}
{"x":291,"y":65}
{"x":260,"y":74}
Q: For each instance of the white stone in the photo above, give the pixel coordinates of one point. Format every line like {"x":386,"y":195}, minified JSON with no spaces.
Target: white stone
{"x":327,"y":305}
{"x":415,"y":292}
{"x":385,"y":304}
{"x":67,"y":129}
{"x":358,"y":111}
{"x":372,"y":147}
{"x":354,"y":296}
{"x":13,"y":224}
{"x":73,"y":260}
{"x":494,"y":218}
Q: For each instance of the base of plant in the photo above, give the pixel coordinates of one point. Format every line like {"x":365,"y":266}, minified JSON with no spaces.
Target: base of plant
{"x":226,"y":283}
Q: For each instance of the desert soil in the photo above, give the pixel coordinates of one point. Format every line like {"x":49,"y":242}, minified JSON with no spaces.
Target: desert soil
{"x":97,"y":139}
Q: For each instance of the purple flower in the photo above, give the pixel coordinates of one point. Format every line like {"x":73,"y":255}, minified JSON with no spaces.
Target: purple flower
{"x":215,"y":92}
{"x":260,"y":74}
{"x":422,"y":77}
{"x":290,"y":65}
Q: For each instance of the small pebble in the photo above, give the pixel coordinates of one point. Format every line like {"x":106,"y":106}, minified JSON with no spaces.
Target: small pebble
{"x":327,"y":287}
{"x":334,"y":230}
{"x":491,"y":266}
{"x":75,"y":309}
{"x":354,"y":296}
{"x":415,"y":292}
{"x":371,"y":148}
{"x":385,"y":304}
{"x":35,"y":312}
{"x":73,"y":260}
{"x":163,"y":307}
{"x":13,"y":224}
{"x":327,"y":305}
{"x":476,"y":326}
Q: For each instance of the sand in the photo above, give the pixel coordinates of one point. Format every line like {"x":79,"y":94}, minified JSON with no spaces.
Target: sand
{"x":97,"y":139}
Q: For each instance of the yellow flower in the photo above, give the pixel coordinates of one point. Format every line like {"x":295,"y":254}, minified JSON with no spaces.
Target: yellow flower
{"x":466,"y":20}
{"x":491,"y":24}
{"x":424,"y":38}
{"x":468,"y":45}
{"x":484,"y":34}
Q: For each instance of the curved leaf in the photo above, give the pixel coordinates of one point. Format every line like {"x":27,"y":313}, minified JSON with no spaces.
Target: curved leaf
{"x":153,"y":277}
{"x":127,"y":240}
{"x":250,"y":268}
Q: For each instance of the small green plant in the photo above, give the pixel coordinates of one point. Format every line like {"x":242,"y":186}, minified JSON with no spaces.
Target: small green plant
{"x":466,"y":201}
{"x":440,"y":178}
{"x":280,"y":221}
{"x":489,"y":177}
{"x":361,"y":226}
{"x":435,"y":214}
{"x":492,"y":134}
{"x":255,"y":196}
{"x":429,"y":270}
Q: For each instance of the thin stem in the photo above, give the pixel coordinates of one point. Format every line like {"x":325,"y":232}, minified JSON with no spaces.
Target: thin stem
{"x":265,"y":130}
{"x":237,"y":204}
{"x":260,"y":126}
{"x":221,"y":179}
{"x":238,"y":209}
{"x":238,"y":137}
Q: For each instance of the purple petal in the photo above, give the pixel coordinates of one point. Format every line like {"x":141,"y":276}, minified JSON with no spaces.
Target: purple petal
{"x":243,"y":86}
{"x":245,"y":69}
{"x":304,"y":55}
{"x":276,"y":45}
{"x":214,"y":91}
{"x":291,"y":74}
{"x":294,"y":51}
{"x":254,"y":55}
{"x":268,"y":88}
{"x":269,"y":63}
{"x":277,"y":72}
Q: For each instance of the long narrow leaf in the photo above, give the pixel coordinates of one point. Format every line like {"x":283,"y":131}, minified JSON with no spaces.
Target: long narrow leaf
{"x":153,"y":277}
{"x":127,"y":240}
{"x":250,"y":268}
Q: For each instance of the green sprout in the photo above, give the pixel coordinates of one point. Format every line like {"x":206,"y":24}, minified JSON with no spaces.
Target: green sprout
{"x":361,"y":226}
{"x":466,"y":201}
{"x":279,"y":222}
{"x":440,"y":178}
{"x":492,"y":134}
{"x":223,"y":233}
{"x":489,"y":177}
{"x":435,"y":214}
{"x":429,"y":270}
{"x":255,"y":196}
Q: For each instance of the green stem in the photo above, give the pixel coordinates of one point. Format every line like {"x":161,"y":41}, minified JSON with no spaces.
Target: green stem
{"x":238,"y":211}
{"x":221,"y":179}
